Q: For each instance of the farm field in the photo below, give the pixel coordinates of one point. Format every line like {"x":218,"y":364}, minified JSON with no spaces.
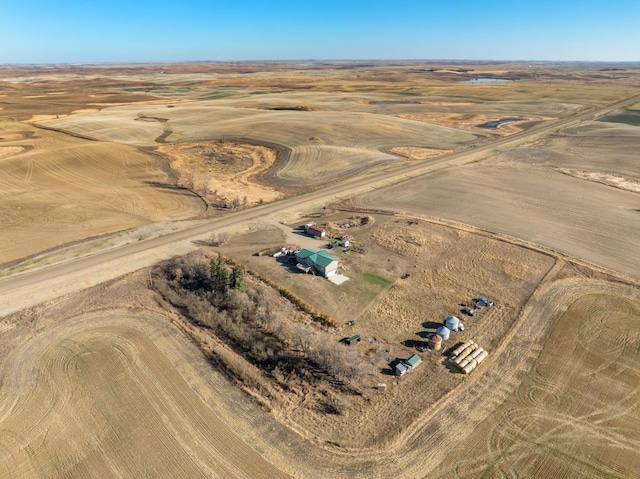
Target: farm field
{"x":322,"y":122}
{"x":56,"y":189}
{"x":118,"y":380}
{"x":576,"y":193}
{"x":115,"y":394}
{"x":575,"y":413}
{"x":72,"y":357}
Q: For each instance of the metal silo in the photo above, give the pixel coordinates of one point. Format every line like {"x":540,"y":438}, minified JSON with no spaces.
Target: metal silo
{"x":435,"y":342}
{"x":452,"y":323}
{"x":443,"y":332}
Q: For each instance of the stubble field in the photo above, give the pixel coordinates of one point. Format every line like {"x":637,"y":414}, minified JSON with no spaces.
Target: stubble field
{"x":536,"y":193}
{"x":56,"y":189}
{"x":77,"y":399}
{"x":575,"y":413}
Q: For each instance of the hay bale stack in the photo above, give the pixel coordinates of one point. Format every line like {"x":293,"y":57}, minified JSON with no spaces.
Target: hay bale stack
{"x":468,"y":356}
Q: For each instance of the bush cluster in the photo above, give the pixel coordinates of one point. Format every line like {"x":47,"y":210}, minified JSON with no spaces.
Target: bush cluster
{"x":254,"y":320}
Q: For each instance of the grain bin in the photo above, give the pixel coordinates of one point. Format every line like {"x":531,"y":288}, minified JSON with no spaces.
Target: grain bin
{"x":435,"y":342}
{"x":452,"y":323}
{"x":443,"y":332}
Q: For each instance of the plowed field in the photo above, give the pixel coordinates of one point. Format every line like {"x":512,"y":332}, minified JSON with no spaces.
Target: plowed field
{"x":100,"y":396}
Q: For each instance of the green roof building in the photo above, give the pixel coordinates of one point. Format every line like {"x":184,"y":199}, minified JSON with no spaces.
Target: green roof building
{"x":321,"y":261}
{"x":413,"y":360}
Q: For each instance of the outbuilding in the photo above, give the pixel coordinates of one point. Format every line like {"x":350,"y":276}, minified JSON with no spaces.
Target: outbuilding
{"x":413,"y":360}
{"x":352,"y":339}
{"x":316,"y":232}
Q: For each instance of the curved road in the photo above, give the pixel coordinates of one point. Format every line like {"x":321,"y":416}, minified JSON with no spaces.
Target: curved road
{"x":39,"y":277}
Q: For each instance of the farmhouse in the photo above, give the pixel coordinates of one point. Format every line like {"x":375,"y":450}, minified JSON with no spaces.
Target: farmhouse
{"x":321,"y":261}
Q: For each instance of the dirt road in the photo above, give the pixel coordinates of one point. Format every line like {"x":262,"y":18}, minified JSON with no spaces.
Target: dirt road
{"x":34,"y":284}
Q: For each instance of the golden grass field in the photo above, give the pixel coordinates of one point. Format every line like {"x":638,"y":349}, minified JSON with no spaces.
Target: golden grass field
{"x":575,"y":413}
{"x":109,"y":382}
{"x":56,"y":189}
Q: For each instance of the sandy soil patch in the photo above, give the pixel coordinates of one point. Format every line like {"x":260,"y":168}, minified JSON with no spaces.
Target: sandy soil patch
{"x":84,"y":110}
{"x":44,"y":117}
{"x":604,"y":178}
{"x":10,"y":150}
{"x":227,"y":171}
{"x":10,"y":136}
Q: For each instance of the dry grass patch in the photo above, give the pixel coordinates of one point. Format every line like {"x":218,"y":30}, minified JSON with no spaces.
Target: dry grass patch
{"x":415,"y":153}
{"x":226,"y":170}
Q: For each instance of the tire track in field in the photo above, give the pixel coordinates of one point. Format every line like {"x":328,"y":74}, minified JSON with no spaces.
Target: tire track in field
{"x":563,"y":427}
{"x":103,"y":398}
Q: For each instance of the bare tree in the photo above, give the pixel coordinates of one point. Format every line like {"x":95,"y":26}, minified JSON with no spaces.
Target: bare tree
{"x":218,"y":238}
{"x":302,"y":337}
{"x":205,"y":185}
{"x":189,"y":181}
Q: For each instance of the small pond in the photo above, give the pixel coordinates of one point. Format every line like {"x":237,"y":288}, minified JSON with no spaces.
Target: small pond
{"x":497,"y":123}
{"x":485,"y":80}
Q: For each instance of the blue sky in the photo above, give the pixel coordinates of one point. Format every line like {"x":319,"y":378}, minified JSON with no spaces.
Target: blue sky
{"x":45,"y":31}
